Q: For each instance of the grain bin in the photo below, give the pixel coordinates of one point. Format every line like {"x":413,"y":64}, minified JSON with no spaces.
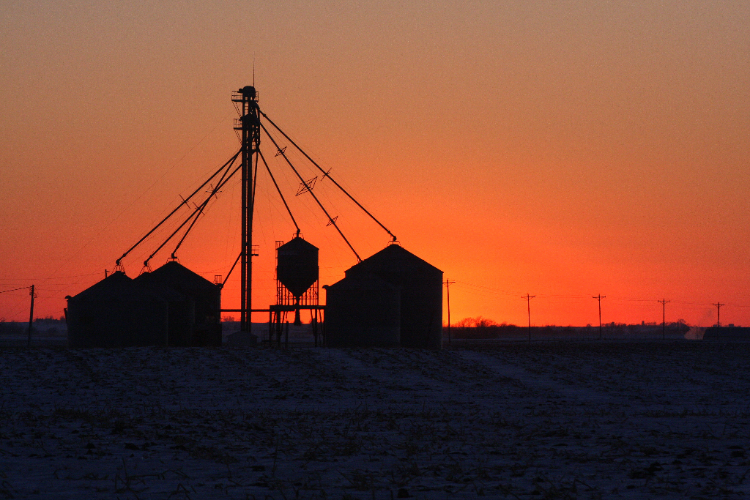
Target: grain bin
{"x":421,"y":286}
{"x":297,"y":270}
{"x":206,"y":297}
{"x":117,"y":312}
{"x":363,"y":311}
{"x":181,"y":309}
{"x":297,"y":265}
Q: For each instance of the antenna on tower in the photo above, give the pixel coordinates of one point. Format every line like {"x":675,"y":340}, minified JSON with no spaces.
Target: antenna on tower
{"x":253,"y":69}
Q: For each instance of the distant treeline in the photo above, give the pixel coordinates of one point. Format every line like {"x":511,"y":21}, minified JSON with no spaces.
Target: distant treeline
{"x":480,"y":328}
{"x":48,"y":324}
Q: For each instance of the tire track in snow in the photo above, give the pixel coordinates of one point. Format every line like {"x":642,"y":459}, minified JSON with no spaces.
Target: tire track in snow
{"x":536,"y":382}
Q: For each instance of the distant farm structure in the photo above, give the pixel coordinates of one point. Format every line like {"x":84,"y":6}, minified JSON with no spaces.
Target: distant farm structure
{"x":392,"y":298}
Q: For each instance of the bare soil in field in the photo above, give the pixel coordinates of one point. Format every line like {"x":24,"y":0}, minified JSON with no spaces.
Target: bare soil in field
{"x":581,"y":419}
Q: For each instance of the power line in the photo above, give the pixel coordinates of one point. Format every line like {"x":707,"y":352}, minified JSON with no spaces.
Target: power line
{"x":484,"y":288}
{"x":16,"y":280}
{"x":16,"y":289}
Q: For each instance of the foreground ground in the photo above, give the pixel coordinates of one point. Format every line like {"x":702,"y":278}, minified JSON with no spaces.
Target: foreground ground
{"x":547,"y":420}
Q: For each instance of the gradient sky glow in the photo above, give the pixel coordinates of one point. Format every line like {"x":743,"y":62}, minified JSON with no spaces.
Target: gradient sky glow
{"x":562,"y":149}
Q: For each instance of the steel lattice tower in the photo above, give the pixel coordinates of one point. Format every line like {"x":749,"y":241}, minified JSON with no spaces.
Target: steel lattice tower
{"x":249,"y":125}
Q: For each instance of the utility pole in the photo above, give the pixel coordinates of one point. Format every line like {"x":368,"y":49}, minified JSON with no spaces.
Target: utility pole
{"x":599,"y":298}
{"x":528,"y":307}
{"x":448,"y":284}
{"x":718,"y":312}
{"x":663,"y":303}
{"x":31,"y":314}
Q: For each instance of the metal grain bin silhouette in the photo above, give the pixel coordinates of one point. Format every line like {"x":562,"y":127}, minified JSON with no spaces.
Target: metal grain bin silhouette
{"x":421,"y":286}
{"x":117,"y":312}
{"x":181,"y":309}
{"x":363,"y":312}
{"x":205,"y":314}
{"x":297,"y":265}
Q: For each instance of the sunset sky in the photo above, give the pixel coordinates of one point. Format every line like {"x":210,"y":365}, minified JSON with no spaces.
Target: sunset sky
{"x":563,"y":149}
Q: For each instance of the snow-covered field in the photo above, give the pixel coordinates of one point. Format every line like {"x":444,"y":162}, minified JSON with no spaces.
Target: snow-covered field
{"x":542,"y":420}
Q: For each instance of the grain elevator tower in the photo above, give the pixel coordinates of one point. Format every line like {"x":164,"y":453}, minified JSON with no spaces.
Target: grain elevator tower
{"x":249,"y":125}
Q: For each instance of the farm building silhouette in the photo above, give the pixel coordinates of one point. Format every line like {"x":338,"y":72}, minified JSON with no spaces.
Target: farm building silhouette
{"x":198,"y":316}
{"x":391,"y":298}
{"x":169,"y":306}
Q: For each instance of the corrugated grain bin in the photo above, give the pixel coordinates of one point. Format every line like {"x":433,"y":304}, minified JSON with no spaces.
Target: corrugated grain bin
{"x":421,"y":286}
{"x":363,"y":312}
{"x":297,"y":265}
{"x":181,"y":309}
{"x":205,"y":295}
{"x":117,"y":312}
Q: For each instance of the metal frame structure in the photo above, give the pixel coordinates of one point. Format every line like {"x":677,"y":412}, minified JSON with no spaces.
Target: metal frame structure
{"x":278,"y":323}
{"x":285,"y":298}
{"x":249,"y":125}
{"x":286,"y":303}
{"x":249,"y":128}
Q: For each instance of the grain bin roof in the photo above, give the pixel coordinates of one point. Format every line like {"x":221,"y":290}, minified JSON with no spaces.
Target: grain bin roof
{"x":182,"y":278}
{"x":117,"y":286}
{"x":392,"y":256}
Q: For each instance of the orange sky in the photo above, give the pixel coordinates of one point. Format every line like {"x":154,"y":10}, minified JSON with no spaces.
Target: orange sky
{"x":561,"y":149}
